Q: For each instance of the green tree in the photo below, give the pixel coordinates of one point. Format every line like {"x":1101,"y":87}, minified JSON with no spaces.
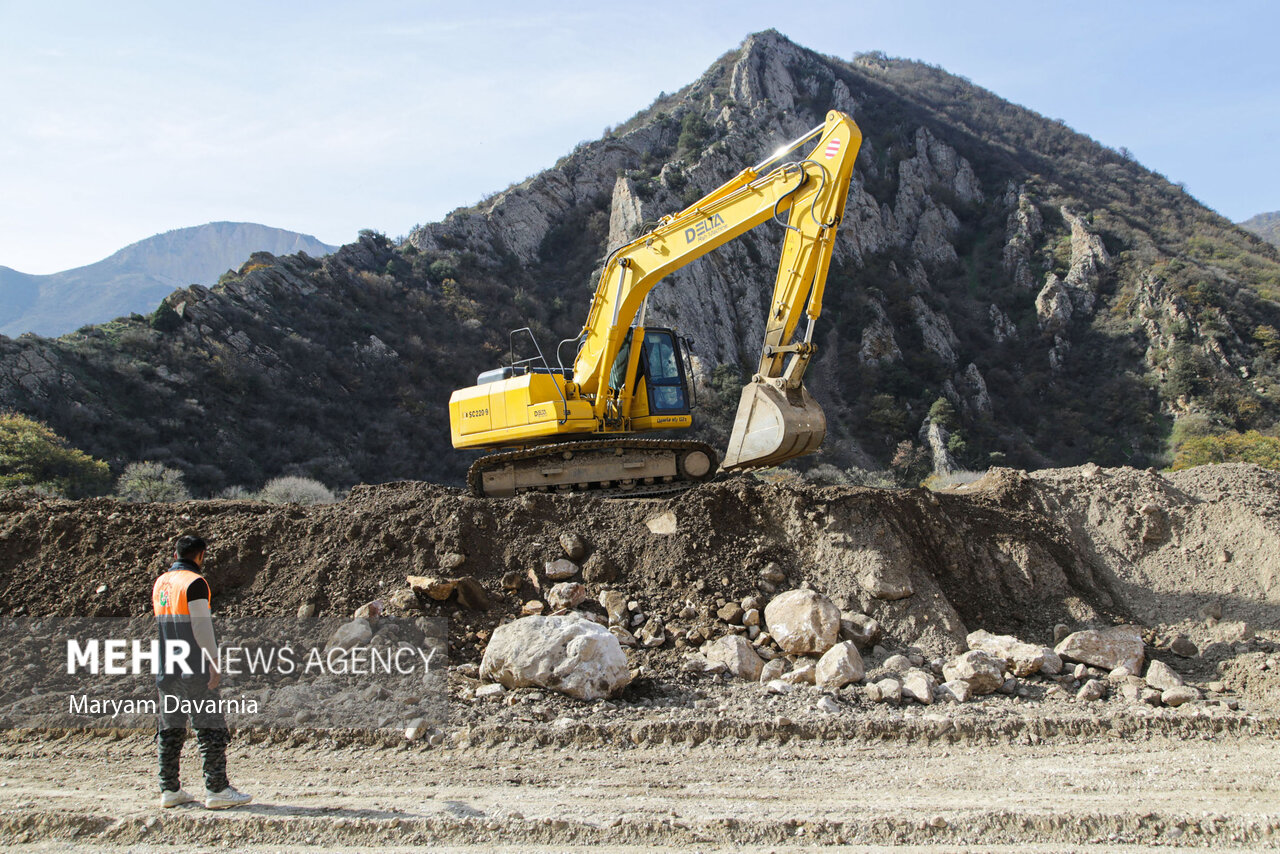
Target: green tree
{"x":1251,"y":447}
{"x":1269,"y":340}
{"x":693,"y":131}
{"x":943,"y":414}
{"x":32,"y":455}
{"x":148,"y":482}
{"x":911,"y":463}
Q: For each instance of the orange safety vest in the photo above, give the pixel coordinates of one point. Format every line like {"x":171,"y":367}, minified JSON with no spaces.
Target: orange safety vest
{"x":169,"y":596}
{"x":173,"y":622}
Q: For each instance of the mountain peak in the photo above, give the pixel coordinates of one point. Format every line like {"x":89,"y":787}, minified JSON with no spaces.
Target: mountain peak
{"x":137,"y":277}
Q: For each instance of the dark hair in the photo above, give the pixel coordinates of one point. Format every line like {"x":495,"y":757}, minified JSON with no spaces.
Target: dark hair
{"x":189,"y":546}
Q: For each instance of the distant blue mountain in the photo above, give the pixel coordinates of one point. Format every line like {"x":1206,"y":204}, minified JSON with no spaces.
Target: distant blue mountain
{"x":138,"y":277}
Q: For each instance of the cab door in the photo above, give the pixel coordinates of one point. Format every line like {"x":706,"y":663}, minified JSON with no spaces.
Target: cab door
{"x":662,"y":367}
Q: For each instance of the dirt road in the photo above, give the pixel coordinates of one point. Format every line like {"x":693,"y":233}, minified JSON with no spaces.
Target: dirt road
{"x":1210,"y":788}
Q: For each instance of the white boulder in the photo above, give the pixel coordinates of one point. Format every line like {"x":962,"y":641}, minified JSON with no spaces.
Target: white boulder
{"x":568,"y":654}
{"x":803,"y":622}
{"x":984,"y":673}
{"x":1120,"y":646}
{"x":1022,"y":659}
{"x":1162,"y":677}
{"x":839,"y":666}
{"x":736,"y":654}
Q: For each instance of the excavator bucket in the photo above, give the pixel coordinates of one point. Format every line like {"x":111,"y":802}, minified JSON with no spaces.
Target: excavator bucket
{"x":774,"y":425}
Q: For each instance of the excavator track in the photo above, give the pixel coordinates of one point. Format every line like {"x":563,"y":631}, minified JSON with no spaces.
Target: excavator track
{"x":608,"y":468}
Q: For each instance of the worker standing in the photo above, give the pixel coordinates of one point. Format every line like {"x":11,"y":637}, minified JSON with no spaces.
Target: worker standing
{"x":180,"y":600}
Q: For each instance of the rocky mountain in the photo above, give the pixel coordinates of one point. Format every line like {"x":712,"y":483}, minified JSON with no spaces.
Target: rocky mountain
{"x":137,"y":277}
{"x":1004,"y":290}
{"x":1265,"y":225}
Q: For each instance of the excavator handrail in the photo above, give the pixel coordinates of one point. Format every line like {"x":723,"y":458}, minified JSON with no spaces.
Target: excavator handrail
{"x":511,"y":342}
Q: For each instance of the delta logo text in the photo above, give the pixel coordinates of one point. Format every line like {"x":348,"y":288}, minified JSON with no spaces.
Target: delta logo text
{"x":704,"y":229}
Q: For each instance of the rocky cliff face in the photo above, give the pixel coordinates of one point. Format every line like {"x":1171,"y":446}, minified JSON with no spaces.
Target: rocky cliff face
{"x":1063,"y":300}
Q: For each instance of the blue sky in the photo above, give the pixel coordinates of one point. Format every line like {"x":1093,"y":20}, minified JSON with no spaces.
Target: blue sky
{"x":125,"y":119}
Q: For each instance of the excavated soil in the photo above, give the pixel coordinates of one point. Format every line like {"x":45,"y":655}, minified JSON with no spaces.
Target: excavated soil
{"x":1193,"y":554}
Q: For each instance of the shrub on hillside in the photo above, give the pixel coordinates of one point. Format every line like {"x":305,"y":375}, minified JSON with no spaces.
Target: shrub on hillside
{"x":1251,"y":447}
{"x":236,"y":493}
{"x":34,"y":456}
{"x":150,"y":482}
{"x":296,"y":490}
{"x":825,"y":474}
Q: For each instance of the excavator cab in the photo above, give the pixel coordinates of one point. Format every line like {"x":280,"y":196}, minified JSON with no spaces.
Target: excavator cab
{"x":663,"y":372}
{"x":662,"y":398}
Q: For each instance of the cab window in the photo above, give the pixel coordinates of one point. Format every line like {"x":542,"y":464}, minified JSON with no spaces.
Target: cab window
{"x":663,"y":373}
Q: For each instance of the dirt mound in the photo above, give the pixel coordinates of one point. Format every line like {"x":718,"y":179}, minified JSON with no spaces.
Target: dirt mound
{"x":965,"y":562}
{"x":1013,"y":553}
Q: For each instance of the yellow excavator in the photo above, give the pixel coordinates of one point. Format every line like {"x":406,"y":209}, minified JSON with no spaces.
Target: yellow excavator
{"x":575,"y":428}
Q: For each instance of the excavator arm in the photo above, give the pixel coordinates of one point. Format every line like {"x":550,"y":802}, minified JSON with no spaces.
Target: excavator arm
{"x":812,"y":193}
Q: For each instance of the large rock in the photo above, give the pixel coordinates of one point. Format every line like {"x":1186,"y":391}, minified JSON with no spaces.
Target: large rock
{"x":736,"y":654}
{"x":803,"y":622}
{"x":568,"y":654}
{"x":402,"y":601}
{"x":864,"y":631}
{"x":840,"y":666}
{"x":1022,"y":659}
{"x":573,"y":545}
{"x":614,"y":603}
{"x":887,"y":690}
{"x":1178,"y":695}
{"x":919,"y":685}
{"x":1052,"y":663}
{"x":1094,"y":689}
{"x":984,"y":673}
{"x":1162,"y":677}
{"x":358,"y":632}
{"x":1108,"y":649}
{"x":774,"y":669}
{"x":438,"y":589}
{"x":560,"y":569}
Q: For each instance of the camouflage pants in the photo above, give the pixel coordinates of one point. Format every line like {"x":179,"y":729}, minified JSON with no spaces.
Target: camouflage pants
{"x":213,"y":750}
{"x":211,"y":734}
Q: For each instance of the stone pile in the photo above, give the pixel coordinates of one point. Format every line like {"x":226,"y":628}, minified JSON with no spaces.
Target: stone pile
{"x":577,"y":632}
{"x":1090,"y":664}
